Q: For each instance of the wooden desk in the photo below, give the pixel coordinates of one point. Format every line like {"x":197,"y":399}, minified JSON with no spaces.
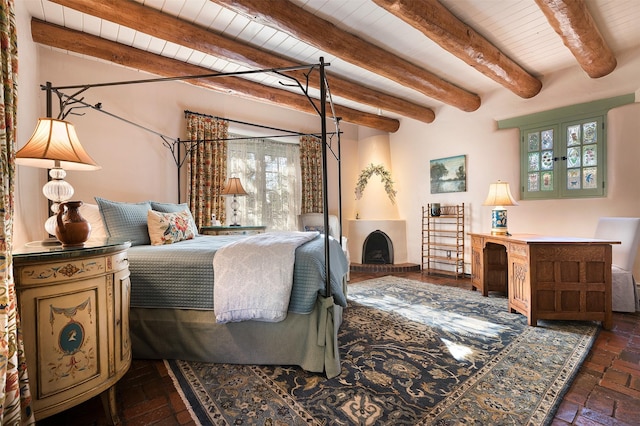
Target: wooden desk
{"x":558,"y":278}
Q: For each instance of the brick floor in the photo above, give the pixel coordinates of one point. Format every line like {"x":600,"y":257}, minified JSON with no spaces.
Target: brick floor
{"x":606,"y":390}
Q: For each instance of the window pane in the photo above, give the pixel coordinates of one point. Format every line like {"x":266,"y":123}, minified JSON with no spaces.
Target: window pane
{"x":547,"y":160}
{"x":573,"y":179}
{"x":573,"y":135}
{"x":534,"y":161}
{"x":534,"y":183}
{"x":590,"y":177}
{"x":590,"y":132}
{"x":547,"y":139}
{"x":573,"y":157}
{"x":547,"y":181}
{"x":590,"y":157}
{"x":534,"y":141}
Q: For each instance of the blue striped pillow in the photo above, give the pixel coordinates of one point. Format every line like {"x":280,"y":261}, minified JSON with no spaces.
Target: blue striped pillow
{"x":125,"y":221}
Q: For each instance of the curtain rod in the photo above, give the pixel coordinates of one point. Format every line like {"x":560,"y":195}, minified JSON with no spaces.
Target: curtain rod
{"x":236,"y":137}
{"x":246,"y":123}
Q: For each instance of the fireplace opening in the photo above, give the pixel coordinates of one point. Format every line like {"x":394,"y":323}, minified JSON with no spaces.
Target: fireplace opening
{"x":377,"y":248}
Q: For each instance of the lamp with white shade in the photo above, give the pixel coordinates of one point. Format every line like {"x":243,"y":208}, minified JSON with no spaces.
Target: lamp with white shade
{"x":234,"y":187}
{"x":54,"y":145}
{"x":499,"y":196}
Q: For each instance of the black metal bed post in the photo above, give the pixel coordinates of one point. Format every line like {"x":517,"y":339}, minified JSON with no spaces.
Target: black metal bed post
{"x":325,"y":197}
{"x":49,"y":111}
{"x":179,"y":169}
{"x":48,"y":97}
{"x":339,"y":160}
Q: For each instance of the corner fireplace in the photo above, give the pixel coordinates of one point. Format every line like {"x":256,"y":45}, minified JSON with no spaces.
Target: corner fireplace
{"x":377,"y":249}
{"x":393,"y":232}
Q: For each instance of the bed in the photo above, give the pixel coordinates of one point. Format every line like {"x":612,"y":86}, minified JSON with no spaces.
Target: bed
{"x":172,"y":312}
{"x":184,"y":325}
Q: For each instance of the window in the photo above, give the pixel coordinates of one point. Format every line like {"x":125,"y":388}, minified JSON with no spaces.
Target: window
{"x":565,"y":160}
{"x":270,"y":173}
{"x":563,"y":151}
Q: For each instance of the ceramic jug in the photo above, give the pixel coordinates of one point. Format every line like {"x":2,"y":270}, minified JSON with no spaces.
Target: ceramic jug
{"x":71,"y":228}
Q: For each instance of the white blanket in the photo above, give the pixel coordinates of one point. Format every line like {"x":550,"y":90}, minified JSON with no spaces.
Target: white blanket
{"x":253,"y":277}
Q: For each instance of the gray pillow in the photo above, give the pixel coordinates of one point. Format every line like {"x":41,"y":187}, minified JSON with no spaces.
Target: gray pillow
{"x":168,"y":207}
{"x":174,"y":208}
{"x":125,"y":221}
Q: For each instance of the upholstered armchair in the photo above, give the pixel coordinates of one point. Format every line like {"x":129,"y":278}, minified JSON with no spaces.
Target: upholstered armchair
{"x":626,"y":230}
{"x":315,"y":222}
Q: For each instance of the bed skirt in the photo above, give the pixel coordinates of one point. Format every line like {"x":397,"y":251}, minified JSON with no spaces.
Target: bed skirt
{"x":306,"y":340}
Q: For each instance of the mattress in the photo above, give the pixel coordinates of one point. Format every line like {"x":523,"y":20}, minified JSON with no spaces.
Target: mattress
{"x":181,"y":275}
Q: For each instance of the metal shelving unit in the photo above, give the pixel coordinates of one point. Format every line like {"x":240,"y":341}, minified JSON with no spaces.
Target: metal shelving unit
{"x":443,"y":240}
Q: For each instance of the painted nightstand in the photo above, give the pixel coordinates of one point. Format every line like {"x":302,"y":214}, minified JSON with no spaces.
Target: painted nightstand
{"x":232,"y":230}
{"x":74,"y":310}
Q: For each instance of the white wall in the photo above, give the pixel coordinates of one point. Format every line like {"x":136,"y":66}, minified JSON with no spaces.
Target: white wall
{"x":29,"y":181}
{"x":493,"y":154}
{"x":137,"y":167}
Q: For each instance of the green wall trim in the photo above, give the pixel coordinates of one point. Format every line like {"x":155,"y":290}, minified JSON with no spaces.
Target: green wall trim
{"x":556,"y":115}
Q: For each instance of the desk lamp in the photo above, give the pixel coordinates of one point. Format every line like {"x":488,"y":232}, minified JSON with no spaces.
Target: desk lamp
{"x":234,"y":187}
{"x":499,"y":196}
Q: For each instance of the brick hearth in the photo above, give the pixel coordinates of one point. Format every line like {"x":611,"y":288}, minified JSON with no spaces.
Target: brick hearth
{"x":386,"y":267}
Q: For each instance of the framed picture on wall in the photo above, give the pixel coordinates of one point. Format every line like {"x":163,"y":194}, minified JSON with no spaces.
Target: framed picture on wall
{"x":449,"y":174}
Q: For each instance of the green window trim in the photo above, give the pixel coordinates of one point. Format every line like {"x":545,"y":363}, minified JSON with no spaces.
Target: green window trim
{"x":563,"y":151}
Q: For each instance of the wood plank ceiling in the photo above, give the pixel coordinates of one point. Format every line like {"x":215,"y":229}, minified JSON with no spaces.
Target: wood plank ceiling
{"x":389,"y":58}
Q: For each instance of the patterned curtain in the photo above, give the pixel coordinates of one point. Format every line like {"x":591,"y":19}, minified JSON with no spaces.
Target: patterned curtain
{"x":311,"y":171}
{"x":207,"y":167}
{"x":15,"y":396}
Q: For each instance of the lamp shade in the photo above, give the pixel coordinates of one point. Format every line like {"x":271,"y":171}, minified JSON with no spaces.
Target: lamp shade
{"x":54,"y":143}
{"x":233,"y":187}
{"x":499,"y":195}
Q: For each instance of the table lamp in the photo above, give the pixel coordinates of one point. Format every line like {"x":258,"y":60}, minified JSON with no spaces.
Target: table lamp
{"x":499,"y":197}
{"x":234,"y":187}
{"x":54,"y":145}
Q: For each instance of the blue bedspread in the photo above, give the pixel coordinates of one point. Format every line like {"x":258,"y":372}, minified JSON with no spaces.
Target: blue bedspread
{"x":181,"y":276}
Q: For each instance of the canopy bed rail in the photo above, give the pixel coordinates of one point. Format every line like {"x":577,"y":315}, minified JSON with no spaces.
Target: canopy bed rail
{"x":70,"y":102}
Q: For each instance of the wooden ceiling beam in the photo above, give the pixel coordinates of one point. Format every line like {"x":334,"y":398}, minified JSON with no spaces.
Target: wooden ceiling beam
{"x":90,"y":45}
{"x":575,"y":25}
{"x":325,"y":36}
{"x":436,"y":22}
{"x":166,"y":27}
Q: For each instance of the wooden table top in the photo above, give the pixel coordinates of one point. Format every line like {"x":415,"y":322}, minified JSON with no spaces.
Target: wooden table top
{"x":544,"y":239}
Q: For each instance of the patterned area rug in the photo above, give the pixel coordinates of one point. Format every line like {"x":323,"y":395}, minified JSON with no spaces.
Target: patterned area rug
{"x":412,"y":354}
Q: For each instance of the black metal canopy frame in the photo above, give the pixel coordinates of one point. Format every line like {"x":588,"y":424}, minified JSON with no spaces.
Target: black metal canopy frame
{"x":70,"y":103}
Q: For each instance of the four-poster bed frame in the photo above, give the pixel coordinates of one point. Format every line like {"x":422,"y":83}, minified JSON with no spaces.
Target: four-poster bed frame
{"x":320,"y":328}
{"x":68,"y":103}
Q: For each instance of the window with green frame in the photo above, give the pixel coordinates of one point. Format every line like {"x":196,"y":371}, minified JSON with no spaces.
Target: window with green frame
{"x":563,"y":151}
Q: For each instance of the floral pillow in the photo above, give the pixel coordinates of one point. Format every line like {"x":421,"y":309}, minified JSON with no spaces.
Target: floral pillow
{"x":169,"y":228}
{"x":173,"y":208}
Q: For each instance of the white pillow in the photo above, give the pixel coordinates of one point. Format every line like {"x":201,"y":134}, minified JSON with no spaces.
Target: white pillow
{"x":91,"y":212}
